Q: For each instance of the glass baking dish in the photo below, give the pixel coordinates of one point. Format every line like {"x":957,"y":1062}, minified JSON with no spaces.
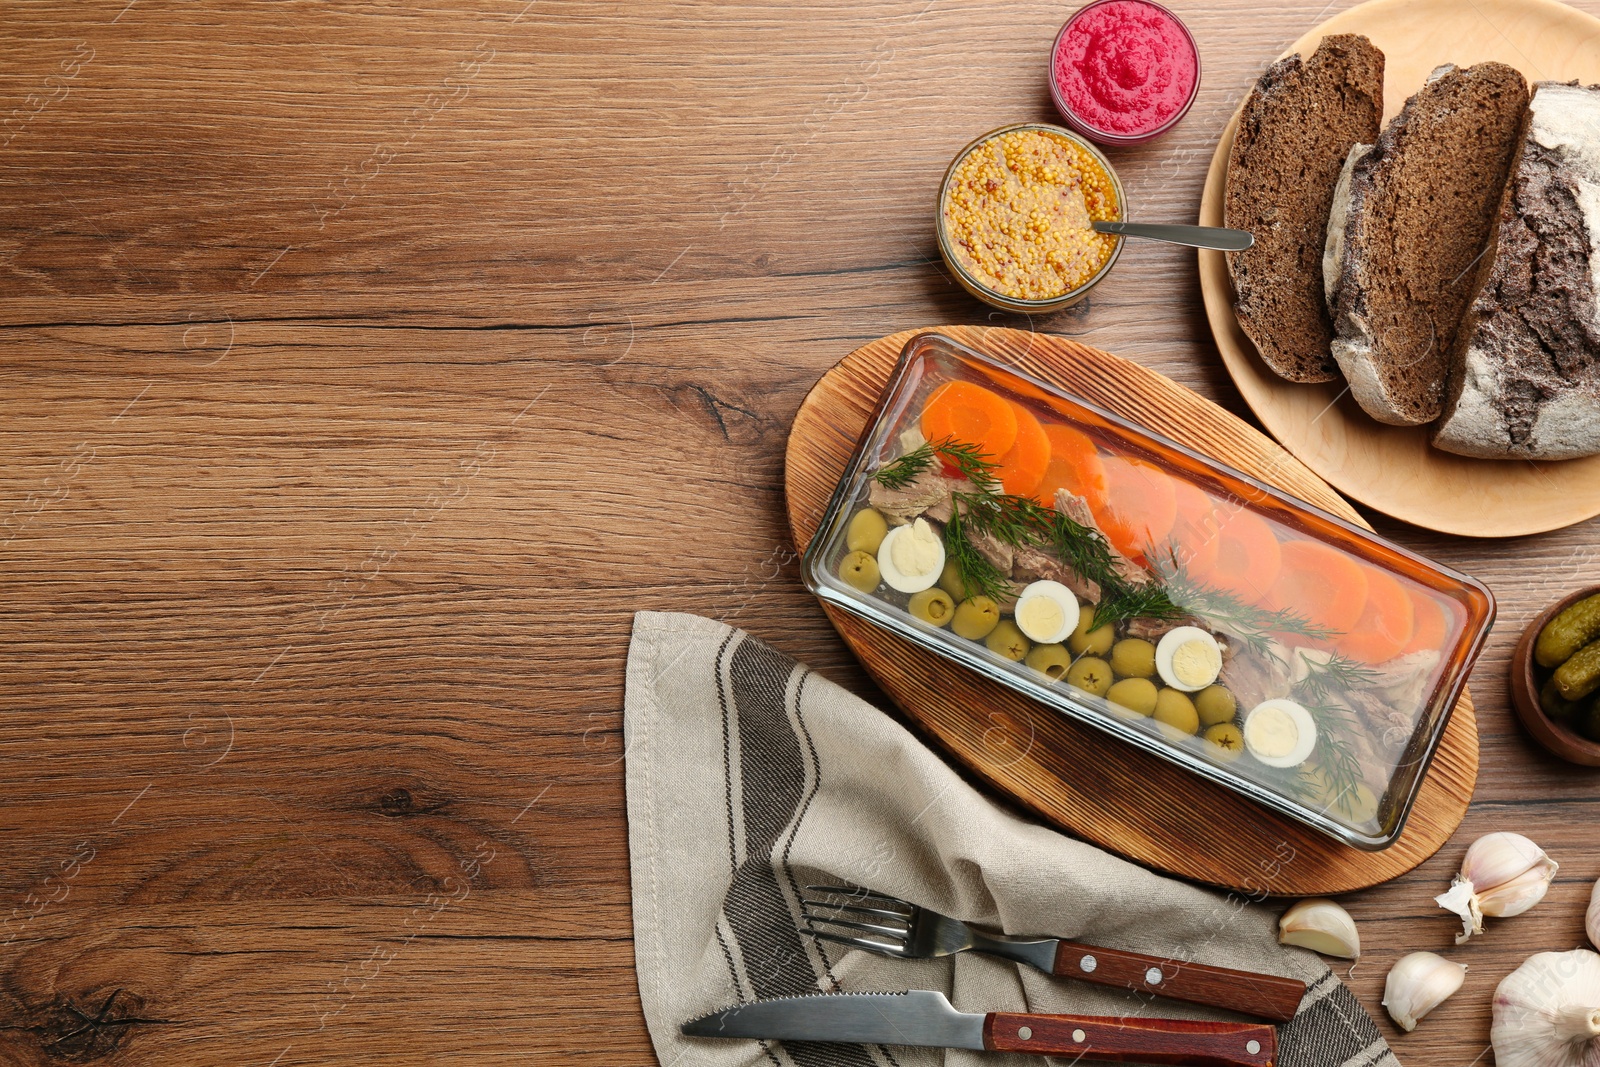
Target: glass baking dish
{"x":1214,"y":621}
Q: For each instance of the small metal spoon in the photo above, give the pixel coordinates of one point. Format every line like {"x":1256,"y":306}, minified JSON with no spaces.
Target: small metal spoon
{"x":1216,"y":237}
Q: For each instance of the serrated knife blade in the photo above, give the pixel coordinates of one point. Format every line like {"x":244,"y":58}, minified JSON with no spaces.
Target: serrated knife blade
{"x":920,"y":1017}
{"x":926,"y":1018}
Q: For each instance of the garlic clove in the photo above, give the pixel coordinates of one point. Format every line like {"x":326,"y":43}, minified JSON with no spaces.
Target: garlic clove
{"x":1503,"y":874}
{"x":1518,"y":895}
{"x":1321,"y":926}
{"x":1547,"y":1012}
{"x":1417,"y":984}
{"x":1592,"y":921}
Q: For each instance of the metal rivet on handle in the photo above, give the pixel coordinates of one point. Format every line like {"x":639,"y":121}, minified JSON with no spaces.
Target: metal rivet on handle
{"x":1079,"y":1036}
{"x":1252,"y":1047}
{"x":1024,"y":1032}
{"x":1088,"y":963}
{"x":1153,"y":976}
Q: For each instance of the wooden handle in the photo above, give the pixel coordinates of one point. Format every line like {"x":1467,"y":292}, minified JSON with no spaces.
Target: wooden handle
{"x":1265,"y":996}
{"x":1097,"y":1037}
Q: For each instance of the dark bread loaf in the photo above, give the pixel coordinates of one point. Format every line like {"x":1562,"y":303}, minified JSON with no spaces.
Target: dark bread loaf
{"x":1524,"y":378}
{"x":1294,"y":133}
{"x":1409,"y":225}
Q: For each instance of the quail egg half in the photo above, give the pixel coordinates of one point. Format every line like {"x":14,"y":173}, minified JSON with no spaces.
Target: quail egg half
{"x":1280,"y":733}
{"x":1188,"y":658}
{"x":911,"y":557}
{"x":1047,"y":612}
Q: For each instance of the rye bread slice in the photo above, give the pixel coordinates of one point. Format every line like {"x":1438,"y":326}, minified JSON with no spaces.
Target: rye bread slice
{"x":1416,"y":211}
{"x":1294,"y":133}
{"x":1524,"y":378}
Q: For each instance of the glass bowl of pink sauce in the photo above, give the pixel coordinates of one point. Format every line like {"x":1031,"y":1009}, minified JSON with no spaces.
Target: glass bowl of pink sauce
{"x":1124,"y":71}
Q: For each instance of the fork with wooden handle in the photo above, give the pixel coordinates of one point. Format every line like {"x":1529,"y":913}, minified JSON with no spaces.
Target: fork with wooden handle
{"x":893,"y":927}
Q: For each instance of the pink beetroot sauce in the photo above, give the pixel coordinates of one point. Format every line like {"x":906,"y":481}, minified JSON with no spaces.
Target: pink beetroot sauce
{"x":1126,"y":68}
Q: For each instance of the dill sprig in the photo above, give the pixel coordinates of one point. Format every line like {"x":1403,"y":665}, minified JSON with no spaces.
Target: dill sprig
{"x":976,"y":466}
{"x":1334,"y":675}
{"x":1231,"y":613}
{"x":979,"y":576}
{"x":1335,"y":751}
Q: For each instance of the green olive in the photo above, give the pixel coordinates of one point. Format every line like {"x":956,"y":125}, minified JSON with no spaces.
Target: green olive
{"x":1175,"y":711}
{"x":1051,"y":661}
{"x":1138,"y":695}
{"x":867,"y":531}
{"x":1006,"y":640}
{"x":975,"y":619}
{"x":1224,"y":742}
{"x":1087,"y":642}
{"x":1133,"y":658}
{"x":1091,"y":674}
{"x":860,"y":569}
{"x":1216,"y":704}
{"x":932,"y":606}
{"x":950,"y":580}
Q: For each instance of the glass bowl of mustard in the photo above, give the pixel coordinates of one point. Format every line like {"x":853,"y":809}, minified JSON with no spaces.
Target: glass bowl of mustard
{"x":1015,"y":217}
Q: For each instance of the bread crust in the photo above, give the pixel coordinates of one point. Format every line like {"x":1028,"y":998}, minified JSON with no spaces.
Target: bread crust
{"x":1422,"y":207}
{"x":1294,"y":133}
{"x":1524,"y":380}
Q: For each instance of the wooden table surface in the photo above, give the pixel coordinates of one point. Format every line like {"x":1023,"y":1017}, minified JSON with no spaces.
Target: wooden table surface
{"x":364,"y":366}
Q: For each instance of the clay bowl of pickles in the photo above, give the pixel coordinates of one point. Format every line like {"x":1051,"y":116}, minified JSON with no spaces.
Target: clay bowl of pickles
{"x":1547,"y":654}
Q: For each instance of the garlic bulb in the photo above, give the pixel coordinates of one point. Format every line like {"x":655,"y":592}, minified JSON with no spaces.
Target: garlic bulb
{"x":1547,"y":1012}
{"x":1417,"y":984}
{"x":1321,"y":926}
{"x":1502,"y":875}
{"x":1592,"y":921}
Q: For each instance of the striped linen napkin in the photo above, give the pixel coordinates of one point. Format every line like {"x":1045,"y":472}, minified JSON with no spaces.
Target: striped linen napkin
{"x":749,"y":776}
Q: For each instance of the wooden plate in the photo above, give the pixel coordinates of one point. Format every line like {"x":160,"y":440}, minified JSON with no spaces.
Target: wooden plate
{"x":1393,"y":469}
{"x":1072,"y":775}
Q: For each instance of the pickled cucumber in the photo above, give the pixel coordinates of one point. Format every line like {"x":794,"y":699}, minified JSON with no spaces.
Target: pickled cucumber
{"x":1580,"y":674}
{"x":1569,"y":631}
{"x":1006,"y":640}
{"x":1087,"y":642}
{"x":1554,"y":704}
{"x":1051,"y":661}
{"x":866,"y":531}
{"x":1587,"y":721}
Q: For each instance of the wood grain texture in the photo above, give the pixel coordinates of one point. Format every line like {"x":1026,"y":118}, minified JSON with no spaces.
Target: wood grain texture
{"x":1094,"y":786}
{"x":1392,"y":468}
{"x":269,"y":284}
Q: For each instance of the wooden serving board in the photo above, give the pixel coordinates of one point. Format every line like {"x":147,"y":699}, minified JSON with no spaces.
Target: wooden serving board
{"x":1393,"y":468}
{"x":1082,"y":780}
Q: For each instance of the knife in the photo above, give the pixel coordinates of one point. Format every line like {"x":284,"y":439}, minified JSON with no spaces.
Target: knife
{"x":925,"y":1018}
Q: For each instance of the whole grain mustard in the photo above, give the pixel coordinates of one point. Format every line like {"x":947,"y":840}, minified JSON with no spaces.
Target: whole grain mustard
{"x":1017,"y":213}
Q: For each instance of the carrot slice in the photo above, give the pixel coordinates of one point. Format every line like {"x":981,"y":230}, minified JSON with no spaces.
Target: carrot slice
{"x":1431,"y":626}
{"x":1248,"y":559}
{"x":1075,"y":466}
{"x":970,"y":415}
{"x":1321,"y":584}
{"x":1141,"y":506}
{"x":1022,"y":468}
{"x":1195,"y":532}
{"x":1386,"y":623}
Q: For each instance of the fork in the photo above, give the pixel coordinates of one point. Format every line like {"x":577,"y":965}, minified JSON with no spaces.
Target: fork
{"x":894,"y":927}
